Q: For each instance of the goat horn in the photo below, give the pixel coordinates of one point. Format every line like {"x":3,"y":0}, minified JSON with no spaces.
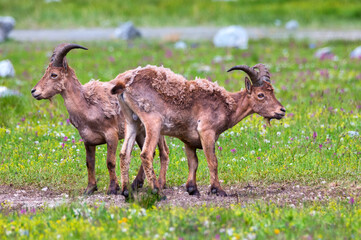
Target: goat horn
{"x":251,"y":73}
{"x":61,"y":51}
{"x":263,"y":74}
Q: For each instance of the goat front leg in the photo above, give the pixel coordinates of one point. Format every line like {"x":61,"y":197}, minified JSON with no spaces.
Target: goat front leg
{"x":139,"y":179}
{"x":151,"y":140}
{"x":208,"y":140}
{"x":90,"y":164}
{"x":112,"y":143}
{"x":164,"y":161}
{"x":192,"y":158}
{"x":125,"y":155}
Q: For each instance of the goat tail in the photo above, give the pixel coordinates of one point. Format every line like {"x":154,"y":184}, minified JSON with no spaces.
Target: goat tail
{"x":118,"y":88}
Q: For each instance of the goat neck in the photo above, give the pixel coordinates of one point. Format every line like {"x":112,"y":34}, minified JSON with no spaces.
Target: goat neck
{"x":243,"y":108}
{"x":73,"y":94}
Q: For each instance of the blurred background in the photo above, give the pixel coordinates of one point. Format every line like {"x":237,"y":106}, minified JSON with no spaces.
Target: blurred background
{"x":97,"y":13}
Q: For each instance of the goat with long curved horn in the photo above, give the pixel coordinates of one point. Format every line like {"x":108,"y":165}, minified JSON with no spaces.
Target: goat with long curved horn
{"x":263,"y":73}
{"x":96,"y":114}
{"x":57,"y":59}
{"x":251,"y":73}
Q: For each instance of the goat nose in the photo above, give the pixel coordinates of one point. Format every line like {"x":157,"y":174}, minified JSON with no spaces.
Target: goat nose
{"x":33,"y":90}
{"x":283,"y":109}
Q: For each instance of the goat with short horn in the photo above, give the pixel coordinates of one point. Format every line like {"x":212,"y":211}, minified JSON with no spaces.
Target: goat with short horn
{"x":196,"y":112}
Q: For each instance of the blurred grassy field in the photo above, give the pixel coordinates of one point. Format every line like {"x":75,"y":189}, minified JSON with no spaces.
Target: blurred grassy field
{"x":97,"y":13}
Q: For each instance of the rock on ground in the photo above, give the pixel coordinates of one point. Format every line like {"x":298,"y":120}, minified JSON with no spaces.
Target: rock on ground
{"x":127,"y":31}
{"x":232,"y":36}
{"x":7,"y":24}
{"x":6,"y":69}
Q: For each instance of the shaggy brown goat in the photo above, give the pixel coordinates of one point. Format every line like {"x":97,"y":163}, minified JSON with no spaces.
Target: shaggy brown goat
{"x":196,"y":112}
{"x":96,"y":114}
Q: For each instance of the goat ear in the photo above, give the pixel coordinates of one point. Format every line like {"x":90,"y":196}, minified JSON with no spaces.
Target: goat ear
{"x":118,"y":88}
{"x":248,"y":85}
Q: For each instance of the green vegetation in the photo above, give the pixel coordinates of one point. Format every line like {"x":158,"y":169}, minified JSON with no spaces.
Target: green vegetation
{"x":322,"y":98}
{"x":254,"y":221}
{"x":313,"y":144}
{"x":96,"y":13}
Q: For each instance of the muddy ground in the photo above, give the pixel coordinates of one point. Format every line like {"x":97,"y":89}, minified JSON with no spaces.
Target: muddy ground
{"x":285,"y":194}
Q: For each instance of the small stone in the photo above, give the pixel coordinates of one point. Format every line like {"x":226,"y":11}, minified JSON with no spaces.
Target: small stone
{"x":278,"y":23}
{"x":127,"y":31}
{"x":6,"y":69}
{"x":180,"y":45}
{"x":4,"y":91}
{"x":292,"y":25}
{"x":44,"y":189}
{"x":325,"y":53}
{"x":232,"y":36}
{"x":353,"y":133}
{"x":356,"y":53}
{"x":7,"y":24}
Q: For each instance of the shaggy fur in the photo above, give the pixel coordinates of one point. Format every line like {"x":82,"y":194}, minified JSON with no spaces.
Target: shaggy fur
{"x":175,"y":89}
{"x":97,"y":93}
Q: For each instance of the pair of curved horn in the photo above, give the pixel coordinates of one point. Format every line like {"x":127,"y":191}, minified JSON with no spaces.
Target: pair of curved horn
{"x":257,"y":77}
{"x":60,"y":52}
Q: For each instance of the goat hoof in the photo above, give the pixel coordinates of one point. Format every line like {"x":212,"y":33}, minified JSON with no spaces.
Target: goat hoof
{"x":125,"y":193}
{"x":193,"y":191}
{"x":162,"y":185}
{"x":218,"y":192}
{"x":137,"y":184}
{"x":90,"y":190}
{"x":112,"y":192}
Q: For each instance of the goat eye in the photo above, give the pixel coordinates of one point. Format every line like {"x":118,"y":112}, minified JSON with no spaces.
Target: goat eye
{"x":261,"y":95}
{"x":53,"y":75}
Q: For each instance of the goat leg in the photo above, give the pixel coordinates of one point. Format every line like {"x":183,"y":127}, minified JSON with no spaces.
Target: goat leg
{"x":125,"y":155}
{"x":208,"y":141}
{"x":151,"y":140}
{"x":90,"y":164}
{"x":164,"y":161}
{"x":112,"y":142}
{"x":191,"y":184}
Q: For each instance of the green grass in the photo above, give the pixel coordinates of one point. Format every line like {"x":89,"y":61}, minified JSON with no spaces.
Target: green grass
{"x":326,"y":104}
{"x":96,"y":13}
{"x":311,"y":145}
{"x":254,"y":221}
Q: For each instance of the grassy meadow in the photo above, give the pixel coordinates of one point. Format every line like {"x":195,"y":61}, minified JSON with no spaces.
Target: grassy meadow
{"x":316,"y":144}
{"x":97,"y":13}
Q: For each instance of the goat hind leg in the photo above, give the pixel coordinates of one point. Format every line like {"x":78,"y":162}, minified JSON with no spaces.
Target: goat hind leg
{"x":112,"y":143}
{"x":139,"y":179}
{"x":90,"y":164}
{"x":164,"y":161}
{"x":192,"y":158}
{"x":151,"y":140}
{"x":125,"y":155}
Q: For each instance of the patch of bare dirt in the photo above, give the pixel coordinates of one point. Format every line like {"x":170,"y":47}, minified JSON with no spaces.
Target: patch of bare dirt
{"x":289,"y":194}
